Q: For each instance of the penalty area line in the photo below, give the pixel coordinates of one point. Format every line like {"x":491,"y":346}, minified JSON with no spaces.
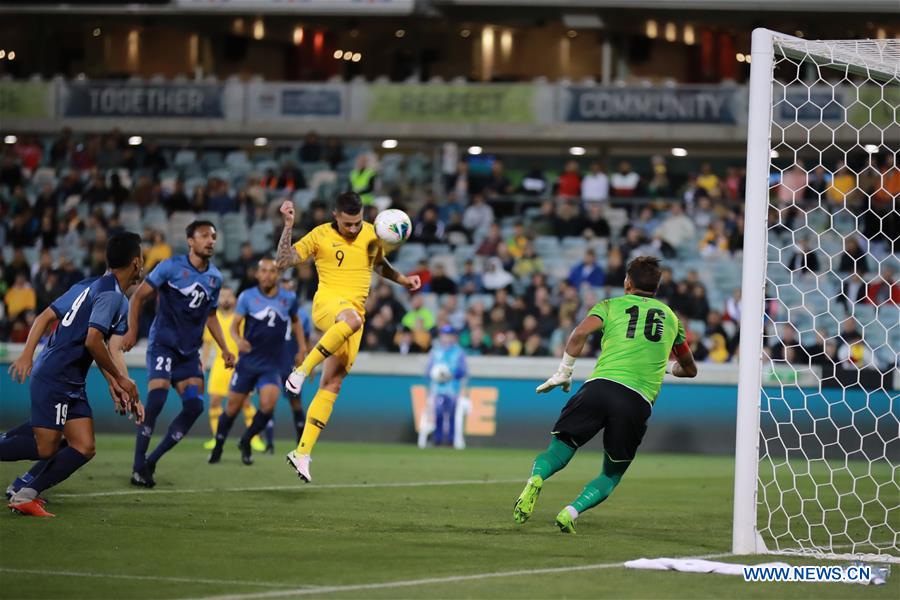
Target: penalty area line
{"x":159,"y":578}
{"x":431,"y":580}
{"x":282,"y":488}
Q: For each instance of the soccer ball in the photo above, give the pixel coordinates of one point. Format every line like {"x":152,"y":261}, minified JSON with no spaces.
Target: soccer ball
{"x":393,"y":226}
{"x":441,"y":373}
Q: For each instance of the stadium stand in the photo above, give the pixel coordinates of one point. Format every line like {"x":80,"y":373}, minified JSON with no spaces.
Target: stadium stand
{"x":510,"y":257}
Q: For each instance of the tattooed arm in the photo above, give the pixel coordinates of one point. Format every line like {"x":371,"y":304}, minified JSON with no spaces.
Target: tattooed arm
{"x":387,"y":270}
{"x":287,"y":256}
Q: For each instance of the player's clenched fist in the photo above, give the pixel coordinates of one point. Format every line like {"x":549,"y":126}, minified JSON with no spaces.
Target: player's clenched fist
{"x":287,"y":211}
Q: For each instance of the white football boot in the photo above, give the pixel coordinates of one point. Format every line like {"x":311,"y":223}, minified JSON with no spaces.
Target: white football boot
{"x":294,"y":382}
{"x":300,"y":463}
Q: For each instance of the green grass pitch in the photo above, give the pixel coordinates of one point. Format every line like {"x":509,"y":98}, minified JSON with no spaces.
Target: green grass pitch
{"x":371,"y":521}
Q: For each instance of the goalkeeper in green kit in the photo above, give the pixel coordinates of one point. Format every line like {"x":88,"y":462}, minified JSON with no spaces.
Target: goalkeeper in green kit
{"x":639,"y":334}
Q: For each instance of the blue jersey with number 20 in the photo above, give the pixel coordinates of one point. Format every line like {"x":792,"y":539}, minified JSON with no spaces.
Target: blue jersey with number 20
{"x":186,"y":298}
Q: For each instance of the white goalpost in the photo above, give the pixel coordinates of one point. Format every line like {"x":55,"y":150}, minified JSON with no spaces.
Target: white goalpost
{"x":817,"y":458}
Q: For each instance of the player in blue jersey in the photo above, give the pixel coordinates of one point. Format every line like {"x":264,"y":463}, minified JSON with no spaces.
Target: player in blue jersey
{"x":266,"y":311}
{"x":294,"y":353}
{"x":188,"y":288}
{"x":93,"y":317}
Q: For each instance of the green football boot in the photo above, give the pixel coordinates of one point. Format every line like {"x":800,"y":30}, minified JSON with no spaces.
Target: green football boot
{"x":565,"y":522}
{"x":527,"y":499}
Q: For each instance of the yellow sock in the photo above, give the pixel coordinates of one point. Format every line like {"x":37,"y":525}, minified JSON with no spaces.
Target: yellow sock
{"x":330,"y":343}
{"x":316,"y":419}
{"x":214,"y":413}
{"x":249,"y":413}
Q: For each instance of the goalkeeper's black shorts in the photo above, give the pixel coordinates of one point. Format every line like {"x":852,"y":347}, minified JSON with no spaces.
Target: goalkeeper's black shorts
{"x":619,"y":411}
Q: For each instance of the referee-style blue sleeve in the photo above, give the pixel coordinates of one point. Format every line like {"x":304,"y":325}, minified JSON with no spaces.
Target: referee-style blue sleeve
{"x":462,"y":370}
{"x":430,"y":364}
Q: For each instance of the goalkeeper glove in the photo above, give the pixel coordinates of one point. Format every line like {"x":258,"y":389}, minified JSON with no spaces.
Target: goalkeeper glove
{"x":562,"y":378}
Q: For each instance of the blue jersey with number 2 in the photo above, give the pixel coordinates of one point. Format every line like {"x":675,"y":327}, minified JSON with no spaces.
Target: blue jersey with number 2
{"x":266,"y":319}
{"x":97,"y":302}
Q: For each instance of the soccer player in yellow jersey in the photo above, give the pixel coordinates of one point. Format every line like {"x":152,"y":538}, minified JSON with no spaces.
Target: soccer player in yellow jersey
{"x":219,"y":374}
{"x":346,"y":252}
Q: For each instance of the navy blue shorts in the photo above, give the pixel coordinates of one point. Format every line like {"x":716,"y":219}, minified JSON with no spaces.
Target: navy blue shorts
{"x":166,"y":363}
{"x":246,"y":378}
{"x":52,"y":404}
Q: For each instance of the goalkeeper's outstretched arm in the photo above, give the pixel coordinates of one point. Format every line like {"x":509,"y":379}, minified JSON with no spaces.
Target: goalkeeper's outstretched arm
{"x":563,"y":376}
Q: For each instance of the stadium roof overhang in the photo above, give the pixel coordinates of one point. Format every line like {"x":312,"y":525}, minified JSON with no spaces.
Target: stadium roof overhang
{"x":174,"y":7}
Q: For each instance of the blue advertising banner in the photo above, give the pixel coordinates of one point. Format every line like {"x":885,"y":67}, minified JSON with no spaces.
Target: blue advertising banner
{"x":114,"y":99}
{"x":802,"y":105}
{"x":326,"y":103}
{"x":650,"y":105}
{"x":272,"y":101}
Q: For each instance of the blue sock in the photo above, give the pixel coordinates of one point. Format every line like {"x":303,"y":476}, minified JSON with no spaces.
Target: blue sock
{"x":156,"y":400}
{"x":258,"y":424}
{"x":19,"y":446}
{"x":59,"y":468}
{"x":270,"y":432}
{"x":224,"y":426}
{"x":191,"y":409}
{"x":36,"y":469}
{"x":23,"y":429}
{"x":299,"y":422}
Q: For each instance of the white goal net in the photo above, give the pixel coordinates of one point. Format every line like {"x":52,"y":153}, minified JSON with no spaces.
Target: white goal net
{"x":819,"y":408}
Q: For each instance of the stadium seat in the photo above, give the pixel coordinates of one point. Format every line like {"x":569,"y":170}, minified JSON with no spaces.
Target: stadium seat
{"x":303,"y":198}
{"x":130,"y":217}
{"x":261,"y":234}
{"x":155,"y":218}
{"x":185,"y":157}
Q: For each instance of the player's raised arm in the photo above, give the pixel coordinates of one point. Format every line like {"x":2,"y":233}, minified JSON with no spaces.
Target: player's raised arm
{"x":21,"y":368}
{"x":563,"y":376}
{"x":286,"y":256}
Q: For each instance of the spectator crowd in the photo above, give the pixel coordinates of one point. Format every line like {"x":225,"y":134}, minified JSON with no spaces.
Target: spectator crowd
{"x":511,"y":261}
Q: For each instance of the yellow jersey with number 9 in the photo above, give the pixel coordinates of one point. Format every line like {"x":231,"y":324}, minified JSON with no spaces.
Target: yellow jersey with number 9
{"x":344,"y":266}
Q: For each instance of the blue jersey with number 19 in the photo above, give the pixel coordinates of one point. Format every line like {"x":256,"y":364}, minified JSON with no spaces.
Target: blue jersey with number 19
{"x":96,"y":302}
{"x":186,"y":298}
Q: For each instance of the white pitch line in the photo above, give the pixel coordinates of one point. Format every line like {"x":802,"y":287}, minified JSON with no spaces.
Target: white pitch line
{"x":149,"y":578}
{"x":430,"y":580}
{"x":279,"y":488}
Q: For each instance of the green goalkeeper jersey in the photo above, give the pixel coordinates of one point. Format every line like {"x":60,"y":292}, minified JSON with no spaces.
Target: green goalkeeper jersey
{"x":638,"y":335}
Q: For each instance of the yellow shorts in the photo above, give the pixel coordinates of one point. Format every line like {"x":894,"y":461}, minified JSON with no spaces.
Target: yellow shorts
{"x":325,"y":309}
{"x":219,"y":380}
